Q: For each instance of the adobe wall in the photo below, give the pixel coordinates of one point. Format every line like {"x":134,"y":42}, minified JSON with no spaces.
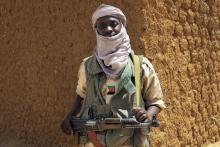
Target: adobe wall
{"x":183,"y":41}
{"x":43,"y":43}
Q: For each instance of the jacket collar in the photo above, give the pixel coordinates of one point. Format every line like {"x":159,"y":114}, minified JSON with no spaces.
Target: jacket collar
{"x":96,"y":68}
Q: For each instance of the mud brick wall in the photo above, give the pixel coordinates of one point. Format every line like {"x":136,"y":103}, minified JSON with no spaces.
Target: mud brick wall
{"x":42,"y":43}
{"x":182,"y":37}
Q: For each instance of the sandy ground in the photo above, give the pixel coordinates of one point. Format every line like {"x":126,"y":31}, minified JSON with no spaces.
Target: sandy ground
{"x":217,"y":144}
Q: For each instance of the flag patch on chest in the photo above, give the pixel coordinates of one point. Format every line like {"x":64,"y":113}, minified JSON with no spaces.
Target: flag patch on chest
{"x":110,"y":89}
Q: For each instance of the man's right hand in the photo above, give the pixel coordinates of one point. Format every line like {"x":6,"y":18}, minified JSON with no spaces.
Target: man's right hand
{"x":66,"y":126}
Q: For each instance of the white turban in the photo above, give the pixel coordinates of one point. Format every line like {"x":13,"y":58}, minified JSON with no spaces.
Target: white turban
{"x":107,"y":10}
{"x":112,"y":53}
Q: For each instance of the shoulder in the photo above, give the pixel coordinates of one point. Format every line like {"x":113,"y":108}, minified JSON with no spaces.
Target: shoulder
{"x":86,"y":59}
{"x":90,"y":65}
{"x":147,"y":64}
{"x":82,"y":64}
{"x":144,"y":62}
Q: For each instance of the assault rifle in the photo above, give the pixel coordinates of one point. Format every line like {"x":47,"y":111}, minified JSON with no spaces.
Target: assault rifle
{"x":82,"y":126}
{"x":98,"y":122}
{"x":87,"y":125}
{"x":101,"y":121}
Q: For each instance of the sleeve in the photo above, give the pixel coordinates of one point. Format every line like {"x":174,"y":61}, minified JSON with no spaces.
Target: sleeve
{"x":81,"y":85}
{"x":151,"y":92}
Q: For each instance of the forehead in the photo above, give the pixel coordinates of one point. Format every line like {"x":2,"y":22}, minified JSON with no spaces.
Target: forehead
{"x":107,"y":18}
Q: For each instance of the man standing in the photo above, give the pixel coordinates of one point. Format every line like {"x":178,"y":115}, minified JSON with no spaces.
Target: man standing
{"x":106,"y":81}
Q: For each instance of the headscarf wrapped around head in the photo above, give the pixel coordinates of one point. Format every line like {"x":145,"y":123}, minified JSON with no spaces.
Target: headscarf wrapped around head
{"x":112,"y":53}
{"x":107,"y":10}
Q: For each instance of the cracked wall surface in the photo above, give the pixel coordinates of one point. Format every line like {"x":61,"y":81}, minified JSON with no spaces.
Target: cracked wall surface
{"x":43,"y":43}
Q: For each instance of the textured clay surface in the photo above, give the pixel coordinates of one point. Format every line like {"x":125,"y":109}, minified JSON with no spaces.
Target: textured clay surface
{"x":43,"y":42}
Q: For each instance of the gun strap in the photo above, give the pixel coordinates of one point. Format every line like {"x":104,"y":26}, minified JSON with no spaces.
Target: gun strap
{"x":93,"y":138}
{"x":137,"y":74}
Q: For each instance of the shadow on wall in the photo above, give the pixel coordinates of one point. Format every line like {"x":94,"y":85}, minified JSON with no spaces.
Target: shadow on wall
{"x":42,"y":45}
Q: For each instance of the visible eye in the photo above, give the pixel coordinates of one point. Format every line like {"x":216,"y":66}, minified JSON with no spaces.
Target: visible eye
{"x":101,"y":26}
{"x":114,"y":24}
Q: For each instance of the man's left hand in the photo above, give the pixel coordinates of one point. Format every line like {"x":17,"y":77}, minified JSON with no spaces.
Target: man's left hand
{"x":141,"y":114}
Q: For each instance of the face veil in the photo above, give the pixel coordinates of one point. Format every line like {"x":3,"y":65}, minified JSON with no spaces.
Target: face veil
{"x":112,"y":53}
